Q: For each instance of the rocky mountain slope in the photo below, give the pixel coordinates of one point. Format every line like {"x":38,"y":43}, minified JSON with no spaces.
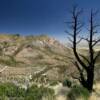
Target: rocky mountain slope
{"x":33,"y":50}
{"x":24,"y":55}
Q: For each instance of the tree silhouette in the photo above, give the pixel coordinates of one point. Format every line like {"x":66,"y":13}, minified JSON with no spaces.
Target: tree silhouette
{"x":87,"y":67}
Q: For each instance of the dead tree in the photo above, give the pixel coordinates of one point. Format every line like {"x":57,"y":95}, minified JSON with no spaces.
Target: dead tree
{"x":86,"y":80}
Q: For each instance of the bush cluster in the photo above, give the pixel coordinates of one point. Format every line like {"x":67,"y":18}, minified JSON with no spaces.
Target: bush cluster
{"x":78,"y":92}
{"x":9,"y":91}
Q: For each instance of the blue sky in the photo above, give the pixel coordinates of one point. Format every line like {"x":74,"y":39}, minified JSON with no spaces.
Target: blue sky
{"x":39,"y":16}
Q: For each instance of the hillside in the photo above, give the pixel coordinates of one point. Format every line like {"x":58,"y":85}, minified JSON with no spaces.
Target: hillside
{"x":28,"y":54}
{"x":33,"y":50}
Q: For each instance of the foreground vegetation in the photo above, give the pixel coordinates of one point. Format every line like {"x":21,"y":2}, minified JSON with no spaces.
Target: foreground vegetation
{"x":9,"y":91}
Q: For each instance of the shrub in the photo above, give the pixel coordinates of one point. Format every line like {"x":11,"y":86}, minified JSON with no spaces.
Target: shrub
{"x":77,"y":92}
{"x":67,"y":83}
{"x":9,"y":91}
{"x":33,"y":93}
{"x":37,"y":93}
{"x":48,"y":93}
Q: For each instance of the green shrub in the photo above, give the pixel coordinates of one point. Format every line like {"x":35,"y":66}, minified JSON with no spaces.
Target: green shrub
{"x":33,"y":93}
{"x":77,"y":92}
{"x":67,"y":83}
{"x":9,"y":91}
{"x":47,"y":93}
{"x":37,"y":93}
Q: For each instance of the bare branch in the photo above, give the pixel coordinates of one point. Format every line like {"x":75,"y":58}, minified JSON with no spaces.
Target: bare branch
{"x":97,"y":41}
{"x":86,"y":39}
{"x":80,"y":26}
{"x":79,"y":60}
{"x":69,"y":33}
{"x":76,"y":11}
{"x":81,"y":78}
{"x":70,"y":39}
{"x":95,"y":26}
{"x":74,"y":77}
{"x":78,"y":31}
{"x":95,"y":12}
{"x":76,"y":64}
{"x":79,"y":41}
{"x":85,"y":58}
{"x":95,"y":32}
{"x":96,"y":57}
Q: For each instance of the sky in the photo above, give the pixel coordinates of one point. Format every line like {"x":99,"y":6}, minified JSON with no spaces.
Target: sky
{"x":28,"y":17}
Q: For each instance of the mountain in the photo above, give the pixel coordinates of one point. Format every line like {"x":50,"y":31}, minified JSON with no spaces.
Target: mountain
{"x":33,"y":50}
{"x":24,"y":55}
